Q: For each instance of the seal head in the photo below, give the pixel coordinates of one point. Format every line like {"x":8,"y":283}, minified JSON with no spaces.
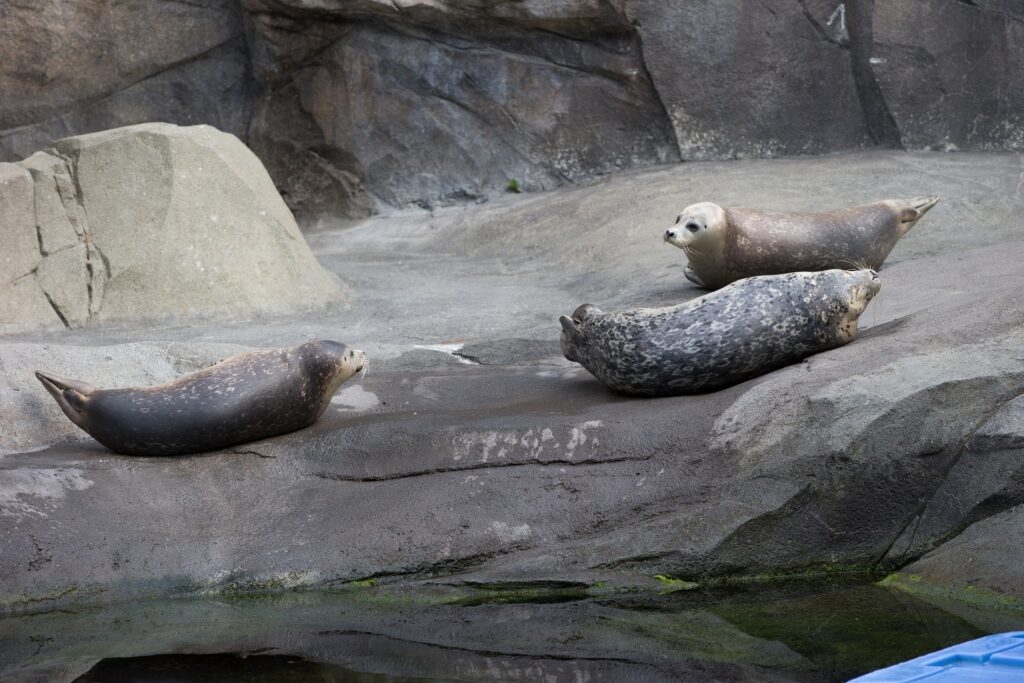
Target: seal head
{"x":243,"y":398}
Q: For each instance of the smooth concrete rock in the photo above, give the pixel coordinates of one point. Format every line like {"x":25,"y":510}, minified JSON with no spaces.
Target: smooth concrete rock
{"x":17,"y":206}
{"x":856,"y":460}
{"x":76,"y":68}
{"x":152,"y":222}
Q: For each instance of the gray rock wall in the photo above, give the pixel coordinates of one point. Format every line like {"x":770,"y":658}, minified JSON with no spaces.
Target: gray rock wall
{"x":76,"y":67}
{"x":423,"y":102}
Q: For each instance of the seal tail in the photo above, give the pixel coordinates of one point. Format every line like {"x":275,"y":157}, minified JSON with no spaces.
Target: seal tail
{"x":70,"y":395}
{"x":914,"y":209}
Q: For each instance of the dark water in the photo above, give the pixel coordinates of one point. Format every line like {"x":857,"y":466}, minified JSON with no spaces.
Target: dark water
{"x":778,"y":633}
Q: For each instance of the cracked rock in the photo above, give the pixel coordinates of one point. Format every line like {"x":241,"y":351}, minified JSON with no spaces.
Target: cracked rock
{"x":151,"y":222}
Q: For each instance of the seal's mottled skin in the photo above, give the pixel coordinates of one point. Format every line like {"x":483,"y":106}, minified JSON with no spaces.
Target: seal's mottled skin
{"x":242,"y":398}
{"x":746,"y":329}
{"x":724,"y":245}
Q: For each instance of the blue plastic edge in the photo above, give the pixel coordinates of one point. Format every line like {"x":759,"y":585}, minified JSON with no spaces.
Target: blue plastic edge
{"x":973,"y":652}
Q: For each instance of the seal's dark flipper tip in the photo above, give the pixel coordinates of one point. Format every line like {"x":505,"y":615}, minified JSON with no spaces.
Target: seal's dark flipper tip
{"x":69,"y":394}
{"x":915,"y":209}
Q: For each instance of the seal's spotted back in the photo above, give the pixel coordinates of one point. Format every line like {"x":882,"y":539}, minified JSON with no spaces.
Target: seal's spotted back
{"x":746,"y":329}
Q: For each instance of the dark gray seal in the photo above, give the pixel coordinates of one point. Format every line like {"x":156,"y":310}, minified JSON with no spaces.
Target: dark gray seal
{"x":746,"y":329}
{"x":725,"y":245}
{"x":243,"y":398}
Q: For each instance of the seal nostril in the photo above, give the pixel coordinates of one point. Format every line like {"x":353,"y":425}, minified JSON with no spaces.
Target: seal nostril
{"x":692,"y":227}
{"x":670,"y":233}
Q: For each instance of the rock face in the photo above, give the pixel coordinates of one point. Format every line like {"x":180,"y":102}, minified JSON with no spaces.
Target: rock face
{"x":424,"y":112}
{"x":71,"y":68}
{"x":416,"y":102}
{"x":746,"y":79}
{"x":524,"y":469}
{"x":149,"y":222}
{"x":942,"y":90}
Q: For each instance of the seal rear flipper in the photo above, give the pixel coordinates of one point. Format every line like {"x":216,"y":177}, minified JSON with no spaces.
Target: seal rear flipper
{"x":914,"y":209}
{"x":70,"y":395}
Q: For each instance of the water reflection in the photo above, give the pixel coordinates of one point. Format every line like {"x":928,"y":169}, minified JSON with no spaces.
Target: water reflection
{"x":779,"y":633}
{"x":227,"y":668}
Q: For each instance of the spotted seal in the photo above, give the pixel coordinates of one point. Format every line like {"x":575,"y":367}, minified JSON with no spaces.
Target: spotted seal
{"x":245,"y":397}
{"x":724,"y":245}
{"x":743,"y":330}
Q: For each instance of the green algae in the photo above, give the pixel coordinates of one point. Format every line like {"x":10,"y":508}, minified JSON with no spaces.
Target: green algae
{"x":975,"y":596}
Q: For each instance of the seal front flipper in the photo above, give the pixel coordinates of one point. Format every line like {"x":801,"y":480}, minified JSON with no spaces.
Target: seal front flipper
{"x":692,"y":277}
{"x":71,"y":395}
{"x":914,"y":209}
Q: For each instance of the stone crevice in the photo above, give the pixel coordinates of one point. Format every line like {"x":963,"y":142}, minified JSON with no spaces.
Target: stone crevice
{"x":479,"y":466}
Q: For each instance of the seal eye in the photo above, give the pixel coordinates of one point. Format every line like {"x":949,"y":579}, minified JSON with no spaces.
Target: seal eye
{"x":692,"y":227}
{"x":678,"y":218}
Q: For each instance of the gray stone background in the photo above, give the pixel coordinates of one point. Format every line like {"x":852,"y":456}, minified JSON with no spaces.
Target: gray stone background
{"x":473,"y":455}
{"x":355,"y":103}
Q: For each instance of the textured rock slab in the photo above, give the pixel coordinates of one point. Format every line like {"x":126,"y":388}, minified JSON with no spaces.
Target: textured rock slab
{"x":942,"y":89}
{"x":542,"y":474}
{"x":1003,"y":431}
{"x":742,"y":79}
{"x":434,"y":117}
{"x":87,"y":66}
{"x":151,"y":222}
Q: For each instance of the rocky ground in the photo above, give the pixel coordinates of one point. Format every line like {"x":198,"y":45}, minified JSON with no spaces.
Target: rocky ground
{"x":473,"y":455}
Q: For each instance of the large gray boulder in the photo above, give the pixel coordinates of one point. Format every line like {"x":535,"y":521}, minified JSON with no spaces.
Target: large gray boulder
{"x":149,"y":222}
{"x":983,"y":563}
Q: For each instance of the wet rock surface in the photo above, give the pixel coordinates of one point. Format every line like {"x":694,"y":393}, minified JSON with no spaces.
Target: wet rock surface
{"x":474,"y":455}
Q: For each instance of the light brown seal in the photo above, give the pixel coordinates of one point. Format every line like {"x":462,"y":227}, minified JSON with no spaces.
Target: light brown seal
{"x":243,"y":398}
{"x":724,"y":245}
